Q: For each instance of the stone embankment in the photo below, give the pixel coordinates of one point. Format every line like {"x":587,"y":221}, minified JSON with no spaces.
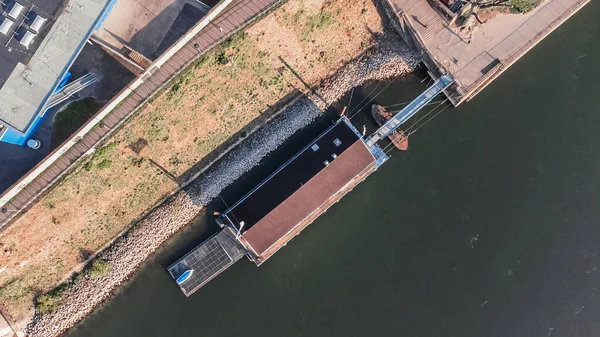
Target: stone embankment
{"x":390,"y":59}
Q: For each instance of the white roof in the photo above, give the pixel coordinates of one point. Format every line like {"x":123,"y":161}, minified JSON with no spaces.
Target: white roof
{"x":37,"y":23}
{"x":27,"y":39}
{"x":5,"y":26}
{"x":20,"y":101}
{"x":16,"y":9}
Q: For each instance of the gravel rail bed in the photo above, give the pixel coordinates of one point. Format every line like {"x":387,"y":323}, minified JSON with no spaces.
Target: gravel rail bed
{"x":391,"y":59}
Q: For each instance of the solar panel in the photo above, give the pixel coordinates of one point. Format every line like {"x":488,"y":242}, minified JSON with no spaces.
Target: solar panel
{"x":6,"y":25}
{"x":26,"y":39}
{"x":16,"y":10}
{"x":206,"y":261}
{"x":37,"y":23}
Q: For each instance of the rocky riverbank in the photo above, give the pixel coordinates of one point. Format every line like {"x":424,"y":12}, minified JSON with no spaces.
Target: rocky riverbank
{"x":389,"y":60}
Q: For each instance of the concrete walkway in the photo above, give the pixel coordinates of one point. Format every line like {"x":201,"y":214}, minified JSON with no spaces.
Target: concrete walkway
{"x":495,"y":44}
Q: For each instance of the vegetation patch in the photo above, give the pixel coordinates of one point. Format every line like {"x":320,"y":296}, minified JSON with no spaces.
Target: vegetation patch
{"x":98,"y":268}
{"x":319,"y":21}
{"x":99,"y":157}
{"x":67,"y":121}
{"x":105,"y":163}
{"x":204,"y":60}
{"x":50,"y":301}
{"x":524,"y":6}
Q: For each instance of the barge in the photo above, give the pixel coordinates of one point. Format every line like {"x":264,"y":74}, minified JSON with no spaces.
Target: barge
{"x":293,"y":196}
{"x":282,"y":205}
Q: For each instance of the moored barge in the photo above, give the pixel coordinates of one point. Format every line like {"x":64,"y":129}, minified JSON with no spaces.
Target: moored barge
{"x":285,"y":203}
{"x":293,"y":196}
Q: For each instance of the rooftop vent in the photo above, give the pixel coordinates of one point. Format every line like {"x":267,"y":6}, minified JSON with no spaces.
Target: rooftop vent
{"x":26,"y":39}
{"x":326,"y":162}
{"x":6,"y":25}
{"x":337,"y":142}
{"x":16,"y":10}
{"x":333,"y":155}
{"x":37,"y":23}
{"x":315,"y":147}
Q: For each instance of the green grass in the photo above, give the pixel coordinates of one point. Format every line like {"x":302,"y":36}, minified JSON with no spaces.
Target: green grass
{"x":317,"y":22}
{"x":99,"y":157}
{"x":104,"y":164}
{"x":50,"y":301}
{"x":71,"y":118}
{"x":524,"y":6}
{"x":99,"y":268}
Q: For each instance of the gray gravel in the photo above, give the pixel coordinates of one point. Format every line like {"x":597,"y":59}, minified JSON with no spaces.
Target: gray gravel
{"x":127,"y":253}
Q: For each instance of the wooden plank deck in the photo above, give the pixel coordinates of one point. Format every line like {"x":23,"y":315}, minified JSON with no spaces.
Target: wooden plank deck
{"x":234,"y":17}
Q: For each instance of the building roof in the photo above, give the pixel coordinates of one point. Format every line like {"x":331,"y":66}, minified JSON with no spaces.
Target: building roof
{"x":299,"y":187}
{"x":11,"y":52}
{"x":28,"y":77}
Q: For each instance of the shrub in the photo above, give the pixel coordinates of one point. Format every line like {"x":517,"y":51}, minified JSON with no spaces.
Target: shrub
{"x":49,"y":302}
{"x":221,"y":58}
{"x":99,"y":268}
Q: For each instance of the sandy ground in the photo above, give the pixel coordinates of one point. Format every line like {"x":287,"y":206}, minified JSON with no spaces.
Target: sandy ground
{"x":201,"y":110}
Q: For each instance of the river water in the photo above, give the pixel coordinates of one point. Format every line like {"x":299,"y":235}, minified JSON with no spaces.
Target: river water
{"x":488,"y":226}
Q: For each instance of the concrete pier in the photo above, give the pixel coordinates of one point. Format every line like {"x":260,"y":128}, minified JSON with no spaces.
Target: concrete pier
{"x":474,"y":58}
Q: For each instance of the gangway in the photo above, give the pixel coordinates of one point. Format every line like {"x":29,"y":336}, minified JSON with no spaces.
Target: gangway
{"x":410,"y":110}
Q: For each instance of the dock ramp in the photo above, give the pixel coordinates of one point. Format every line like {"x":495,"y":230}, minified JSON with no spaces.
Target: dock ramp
{"x":410,"y":110}
{"x":207,"y":260}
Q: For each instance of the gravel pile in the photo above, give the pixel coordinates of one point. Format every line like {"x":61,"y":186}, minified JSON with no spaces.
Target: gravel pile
{"x":127,"y":253}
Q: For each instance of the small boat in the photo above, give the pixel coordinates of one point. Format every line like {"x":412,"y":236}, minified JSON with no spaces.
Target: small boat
{"x":381,"y":116}
{"x":185,"y":276}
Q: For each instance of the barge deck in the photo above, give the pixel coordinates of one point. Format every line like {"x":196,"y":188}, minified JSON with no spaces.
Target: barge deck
{"x":298,"y":192}
{"x":207,"y":260}
{"x":283,"y":204}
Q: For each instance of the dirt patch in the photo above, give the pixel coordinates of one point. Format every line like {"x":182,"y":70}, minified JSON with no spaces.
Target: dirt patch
{"x":231,"y":87}
{"x":138,"y":145}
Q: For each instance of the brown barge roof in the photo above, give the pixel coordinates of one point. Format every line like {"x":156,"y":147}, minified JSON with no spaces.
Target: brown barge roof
{"x":287,"y":215}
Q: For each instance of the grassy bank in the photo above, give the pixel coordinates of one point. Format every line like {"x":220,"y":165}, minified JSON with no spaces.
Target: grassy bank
{"x":74,"y":115}
{"x":206,"y":106}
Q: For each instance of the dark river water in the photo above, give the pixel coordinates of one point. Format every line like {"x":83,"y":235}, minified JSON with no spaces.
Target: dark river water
{"x":488,"y":226}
